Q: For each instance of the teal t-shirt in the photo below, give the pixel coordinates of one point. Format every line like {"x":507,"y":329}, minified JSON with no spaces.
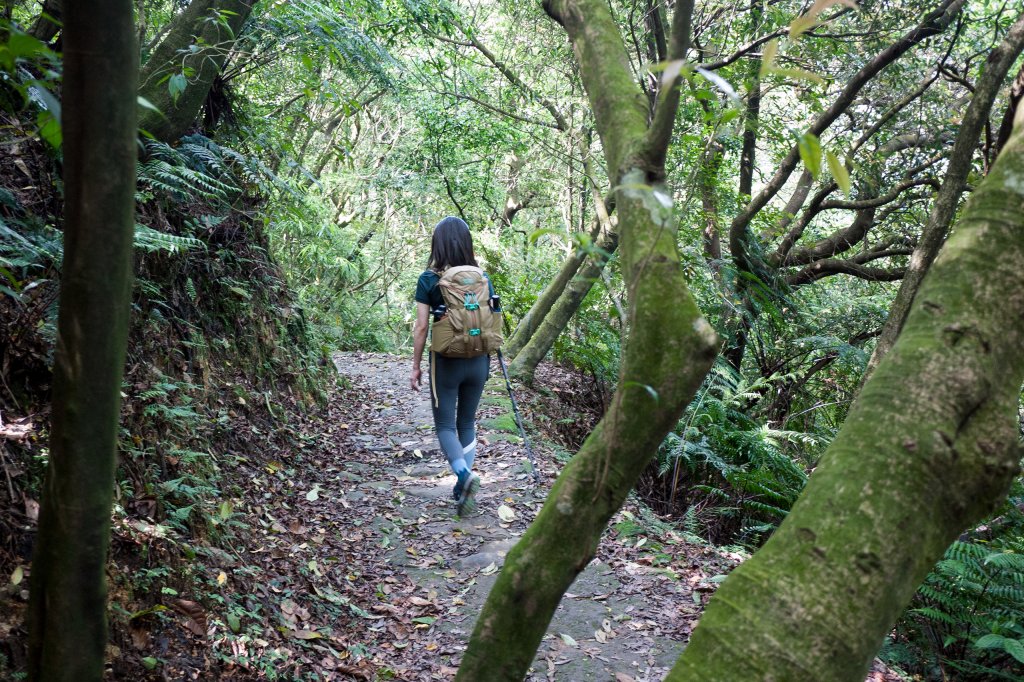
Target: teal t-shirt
{"x":428,"y":292}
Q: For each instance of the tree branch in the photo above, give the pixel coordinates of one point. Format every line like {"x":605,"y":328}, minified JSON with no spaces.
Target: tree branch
{"x":830,"y":267}
{"x":934,"y":22}
{"x":655,"y":147}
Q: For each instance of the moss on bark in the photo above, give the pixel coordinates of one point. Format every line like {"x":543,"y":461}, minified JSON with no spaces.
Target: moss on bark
{"x":211,"y":28}
{"x":928,"y":449}
{"x":666,"y":355}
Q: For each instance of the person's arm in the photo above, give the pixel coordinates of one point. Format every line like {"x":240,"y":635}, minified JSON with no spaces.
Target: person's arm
{"x":419,"y":340}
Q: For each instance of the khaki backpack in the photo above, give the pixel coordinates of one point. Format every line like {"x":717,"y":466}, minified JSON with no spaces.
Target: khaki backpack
{"x":470,"y":327}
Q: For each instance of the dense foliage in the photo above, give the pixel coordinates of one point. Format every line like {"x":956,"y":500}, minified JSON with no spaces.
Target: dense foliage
{"x":295,"y":217}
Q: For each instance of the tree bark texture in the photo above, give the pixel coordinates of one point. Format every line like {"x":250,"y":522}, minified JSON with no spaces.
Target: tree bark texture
{"x":209,"y":28}
{"x":668,"y":351}
{"x":929,"y":448}
{"x":67,"y":614}
{"x":934,"y":232}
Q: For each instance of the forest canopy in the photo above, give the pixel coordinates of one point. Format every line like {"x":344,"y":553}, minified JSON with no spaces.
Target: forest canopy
{"x":774,"y":240}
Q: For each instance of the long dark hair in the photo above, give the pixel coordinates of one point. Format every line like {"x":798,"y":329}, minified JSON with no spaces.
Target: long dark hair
{"x":451,"y":245}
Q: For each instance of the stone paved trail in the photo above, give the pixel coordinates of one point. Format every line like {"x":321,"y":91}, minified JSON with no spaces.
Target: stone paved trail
{"x":625,"y":616}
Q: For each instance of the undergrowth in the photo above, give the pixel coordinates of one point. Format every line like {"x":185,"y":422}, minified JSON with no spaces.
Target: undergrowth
{"x":221,"y":368}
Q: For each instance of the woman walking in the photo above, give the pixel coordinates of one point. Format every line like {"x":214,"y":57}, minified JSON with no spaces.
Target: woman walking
{"x":456,"y":383}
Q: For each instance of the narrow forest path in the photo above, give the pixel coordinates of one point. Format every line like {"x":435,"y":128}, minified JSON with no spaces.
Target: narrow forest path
{"x":624,"y":618}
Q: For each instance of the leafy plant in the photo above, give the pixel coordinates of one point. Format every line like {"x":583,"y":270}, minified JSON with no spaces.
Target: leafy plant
{"x":968,"y":616}
{"x":735,"y":477}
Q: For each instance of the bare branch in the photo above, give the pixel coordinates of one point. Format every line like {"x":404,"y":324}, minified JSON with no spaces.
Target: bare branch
{"x":830,"y":267}
{"x":660,"y":133}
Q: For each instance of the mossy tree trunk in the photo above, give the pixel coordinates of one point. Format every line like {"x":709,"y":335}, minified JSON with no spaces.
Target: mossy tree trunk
{"x":606,"y":241}
{"x":212,"y":27}
{"x":668,"y":350}
{"x":47,"y":24}
{"x":557,"y":317}
{"x":930,"y":447}
{"x":67,"y":613}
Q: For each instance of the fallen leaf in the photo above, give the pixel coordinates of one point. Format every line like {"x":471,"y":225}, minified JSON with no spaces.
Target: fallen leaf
{"x":569,"y":641}
{"x":506,"y":514}
{"x":306,"y":634}
{"x":195,"y":614}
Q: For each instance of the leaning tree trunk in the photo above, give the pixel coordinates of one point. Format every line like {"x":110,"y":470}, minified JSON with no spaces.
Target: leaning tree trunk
{"x":67,"y":613}
{"x":211,"y":27}
{"x":47,"y":24}
{"x":934,"y":231}
{"x":666,"y":355}
{"x":930,"y":447}
{"x":538,"y":312}
{"x":557,"y":318}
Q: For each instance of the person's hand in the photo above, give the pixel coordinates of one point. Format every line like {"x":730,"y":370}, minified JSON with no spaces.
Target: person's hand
{"x":414,"y":379}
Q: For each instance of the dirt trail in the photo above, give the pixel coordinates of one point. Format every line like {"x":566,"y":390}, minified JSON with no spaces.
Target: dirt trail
{"x":624,"y":618}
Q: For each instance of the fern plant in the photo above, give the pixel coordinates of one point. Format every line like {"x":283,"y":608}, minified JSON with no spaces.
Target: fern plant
{"x":967,"y":618}
{"x":736,"y":476}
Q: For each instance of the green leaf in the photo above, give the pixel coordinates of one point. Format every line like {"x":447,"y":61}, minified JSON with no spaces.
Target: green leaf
{"x":234,"y":623}
{"x":146,"y":104}
{"x":1015,"y":648}
{"x":798,"y":74}
{"x":176,"y":85}
{"x":990,"y":642}
{"x":768,"y":57}
{"x":650,"y":389}
{"x":426,"y":620}
{"x":150,"y":663}
{"x":839,"y":172}
{"x":810,"y":152}
{"x":537,"y":234}
{"x":49,"y":129}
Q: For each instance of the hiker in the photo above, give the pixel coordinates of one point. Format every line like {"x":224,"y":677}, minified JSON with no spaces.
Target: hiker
{"x":459,"y":362}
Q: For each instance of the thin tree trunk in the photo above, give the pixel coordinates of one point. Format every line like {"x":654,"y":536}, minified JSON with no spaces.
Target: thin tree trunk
{"x":47,"y":24}
{"x":67,"y":614}
{"x":557,"y":318}
{"x":668,"y":351}
{"x":538,"y":312}
{"x":930,"y":447}
{"x":748,"y":154}
{"x":212,"y":26}
{"x":934,"y":232}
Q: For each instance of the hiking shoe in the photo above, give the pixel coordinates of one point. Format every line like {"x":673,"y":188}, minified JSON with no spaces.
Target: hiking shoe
{"x":465,"y":504}
{"x":457,"y":490}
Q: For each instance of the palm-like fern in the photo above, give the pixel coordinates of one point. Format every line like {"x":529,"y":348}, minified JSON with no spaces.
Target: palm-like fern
{"x":968,"y":616}
{"x":739,"y":475}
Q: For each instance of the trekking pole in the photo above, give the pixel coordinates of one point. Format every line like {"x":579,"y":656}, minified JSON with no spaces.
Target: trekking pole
{"x":519,"y":421}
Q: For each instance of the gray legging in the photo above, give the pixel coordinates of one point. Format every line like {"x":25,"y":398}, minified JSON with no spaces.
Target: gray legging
{"x":456,"y":385}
